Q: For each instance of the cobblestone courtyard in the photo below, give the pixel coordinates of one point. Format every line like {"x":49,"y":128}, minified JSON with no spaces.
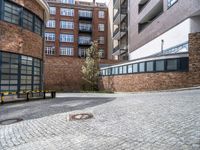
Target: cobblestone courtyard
{"x":162,"y":120}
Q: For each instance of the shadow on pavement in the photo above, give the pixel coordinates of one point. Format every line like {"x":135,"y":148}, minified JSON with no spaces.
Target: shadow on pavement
{"x":42,"y":108}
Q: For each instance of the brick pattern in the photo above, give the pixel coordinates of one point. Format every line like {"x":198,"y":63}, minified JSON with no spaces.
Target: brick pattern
{"x":159,"y":81}
{"x":17,"y":40}
{"x":64,"y":74}
{"x":95,"y":21}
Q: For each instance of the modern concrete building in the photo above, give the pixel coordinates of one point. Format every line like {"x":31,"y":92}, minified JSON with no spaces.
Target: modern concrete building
{"x":163,"y":46}
{"x":73,"y":25}
{"x":120,"y":29}
{"x":156,"y":25}
{"x":21,"y":44}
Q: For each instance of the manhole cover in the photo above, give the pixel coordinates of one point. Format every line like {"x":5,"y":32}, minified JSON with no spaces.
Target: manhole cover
{"x":10,"y":121}
{"x":82,"y":116}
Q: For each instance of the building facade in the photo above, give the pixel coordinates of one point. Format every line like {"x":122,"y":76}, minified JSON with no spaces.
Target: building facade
{"x":120,"y":29}
{"x":21,"y":44}
{"x":163,"y":47}
{"x":73,"y":25}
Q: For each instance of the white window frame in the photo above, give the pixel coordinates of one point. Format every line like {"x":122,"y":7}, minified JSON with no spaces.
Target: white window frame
{"x":52,"y":10}
{"x":67,"y":38}
{"x":67,"y":51}
{"x":101,"y":27}
{"x":50,"y":36}
{"x":51,"y":24}
{"x":66,"y":24}
{"x":66,"y":12}
{"x":50,"y":50}
{"x":101,"y":14}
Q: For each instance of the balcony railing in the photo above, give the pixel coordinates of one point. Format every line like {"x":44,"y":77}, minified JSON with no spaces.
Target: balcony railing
{"x":122,"y":11}
{"x":85,"y":42}
{"x":119,"y":30}
{"x":115,"y":48}
{"x":85,"y":29}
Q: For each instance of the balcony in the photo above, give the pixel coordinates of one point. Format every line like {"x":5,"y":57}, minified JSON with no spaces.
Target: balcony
{"x":85,"y":15}
{"x":119,"y":33}
{"x":119,"y":51}
{"x":120,"y":15}
{"x":85,"y":42}
{"x":116,"y":3}
{"x":85,"y":29}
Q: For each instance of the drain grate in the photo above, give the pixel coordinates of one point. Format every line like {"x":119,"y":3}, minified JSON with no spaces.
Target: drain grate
{"x":81,"y":116}
{"x":10,"y":121}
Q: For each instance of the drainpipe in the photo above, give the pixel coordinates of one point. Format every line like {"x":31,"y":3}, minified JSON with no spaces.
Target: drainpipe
{"x":162,"y":45}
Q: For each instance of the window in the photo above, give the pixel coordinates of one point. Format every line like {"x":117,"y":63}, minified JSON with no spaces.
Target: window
{"x":50,"y":36}
{"x":142,"y":67}
{"x":101,"y":14}
{"x":124,"y":69}
{"x":82,"y":52}
{"x":66,"y":51}
{"x":101,"y":53}
{"x":85,"y":27}
{"x":51,"y":24}
{"x":130,"y":68}
{"x":120,"y":70}
{"x":101,"y":27}
{"x":135,"y":68}
{"x":27,"y":20}
{"x":52,"y":10}
{"x":149,"y":66}
{"x":172,"y":64}
{"x":12,"y":13}
{"x":171,"y":2}
{"x":116,"y":70}
{"x":66,"y":38}
{"x":67,"y":1}
{"x":66,"y":12}
{"x":85,"y":13}
{"x":101,"y":40}
{"x":38,"y":26}
{"x":66,"y":25}
{"x":160,"y":65}
{"x":85,"y":39}
{"x":50,"y":50}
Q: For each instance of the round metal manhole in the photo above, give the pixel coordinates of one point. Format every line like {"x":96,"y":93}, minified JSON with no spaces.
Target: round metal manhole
{"x":81,"y":116}
{"x":10,"y":121}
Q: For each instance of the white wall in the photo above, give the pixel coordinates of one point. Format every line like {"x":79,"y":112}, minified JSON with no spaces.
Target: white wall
{"x":110,"y":28}
{"x":173,"y":37}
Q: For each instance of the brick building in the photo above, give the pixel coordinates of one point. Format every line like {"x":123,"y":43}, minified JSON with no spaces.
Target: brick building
{"x":21,"y":44}
{"x":73,"y":25}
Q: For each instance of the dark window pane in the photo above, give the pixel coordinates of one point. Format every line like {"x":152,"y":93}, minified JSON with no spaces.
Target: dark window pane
{"x":150,"y":66}
{"x":160,"y":65}
{"x":172,"y":64}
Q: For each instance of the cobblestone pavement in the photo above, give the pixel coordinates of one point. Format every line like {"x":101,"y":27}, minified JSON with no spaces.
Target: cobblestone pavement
{"x":163,"y":121}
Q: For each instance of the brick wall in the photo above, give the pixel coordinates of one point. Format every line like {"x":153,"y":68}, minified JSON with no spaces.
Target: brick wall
{"x":159,"y":81}
{"x":64,"y":74}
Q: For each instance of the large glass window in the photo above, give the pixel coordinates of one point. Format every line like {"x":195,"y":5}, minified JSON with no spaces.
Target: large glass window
{"x":172,"y":64}
{"x":66,"y":38}
{"x":149,"y":66}
{"x":85,"y":39}
{"x":11,"y":13}
{"x":66,"y":12}
{"x":142,"y":67}
{"x":27,"y":20}
{"x":51,"y":24}
{"x":160,"y":65}
{"x":50,"y":36}
{"x":124,"y":69}
{"x":38,"y":26}
{"x":68,"y":1}
{"x":18,"y":72}
{"x":66,"y":24}
{"x":85,"y":13}
{"x":135,"y":68}
{"x":130,"y":68}
{"x":52,"y":10}
{"x":66,"y":51}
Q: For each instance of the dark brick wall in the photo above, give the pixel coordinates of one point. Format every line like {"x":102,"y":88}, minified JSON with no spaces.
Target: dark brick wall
{"x":64,"y":74}
{"x":159,"y":81}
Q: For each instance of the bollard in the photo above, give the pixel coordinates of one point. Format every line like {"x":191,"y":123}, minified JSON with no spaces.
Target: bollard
{"x":2,"y":98}
{"x":27,"y":96}
{"x":44,"y":95}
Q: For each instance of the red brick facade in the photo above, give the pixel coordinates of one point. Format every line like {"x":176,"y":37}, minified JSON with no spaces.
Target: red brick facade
{"x":95,"y":22}
{"x":159,"y":81}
